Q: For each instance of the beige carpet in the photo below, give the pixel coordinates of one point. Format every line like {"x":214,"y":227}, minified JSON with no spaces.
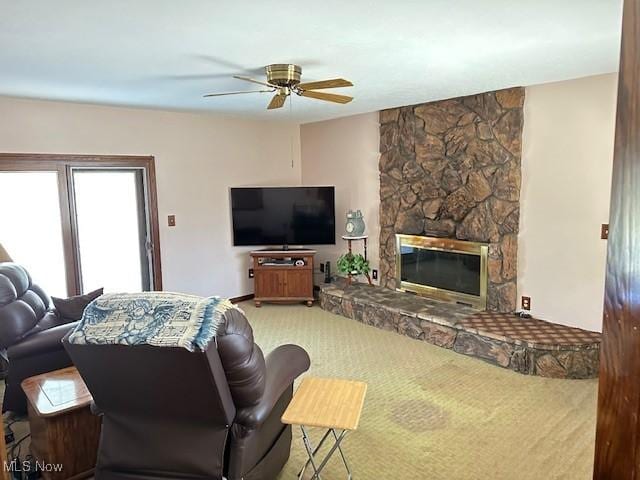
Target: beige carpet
{"x":433,"y":414}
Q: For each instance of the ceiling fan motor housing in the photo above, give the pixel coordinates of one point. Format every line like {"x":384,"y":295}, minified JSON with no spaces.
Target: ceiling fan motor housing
{"x":283,"y":74}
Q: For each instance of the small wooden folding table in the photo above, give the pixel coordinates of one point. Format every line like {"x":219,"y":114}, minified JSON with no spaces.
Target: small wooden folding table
{"x":329,"y":403}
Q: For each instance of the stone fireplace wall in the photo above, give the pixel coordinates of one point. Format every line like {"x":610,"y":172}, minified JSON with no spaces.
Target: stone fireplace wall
{"x":452,"y":168}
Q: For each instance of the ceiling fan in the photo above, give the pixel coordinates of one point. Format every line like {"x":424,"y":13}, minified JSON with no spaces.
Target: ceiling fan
{"x":284,"y":79}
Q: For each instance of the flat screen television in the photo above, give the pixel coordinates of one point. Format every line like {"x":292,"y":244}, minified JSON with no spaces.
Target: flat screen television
{"x":274,"y":216}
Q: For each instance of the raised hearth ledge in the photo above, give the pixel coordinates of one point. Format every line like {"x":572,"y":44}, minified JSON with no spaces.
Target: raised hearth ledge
{"x":532,"y":347}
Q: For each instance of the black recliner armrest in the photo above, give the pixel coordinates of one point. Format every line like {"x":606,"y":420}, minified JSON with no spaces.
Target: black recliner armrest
{"x":283,"y":366}
{"x":40,"y":342}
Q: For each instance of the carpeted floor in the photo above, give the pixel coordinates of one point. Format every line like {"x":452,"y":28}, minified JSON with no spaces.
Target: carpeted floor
{"x":433,"y":414}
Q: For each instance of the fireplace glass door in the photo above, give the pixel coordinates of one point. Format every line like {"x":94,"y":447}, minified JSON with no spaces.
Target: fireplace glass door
{"x":446,"y":269}
{"x":458,"y":272}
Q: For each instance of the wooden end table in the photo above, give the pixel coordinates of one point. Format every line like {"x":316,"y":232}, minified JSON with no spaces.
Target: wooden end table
{"x":329,"y":403}
{"x":63,"y":429}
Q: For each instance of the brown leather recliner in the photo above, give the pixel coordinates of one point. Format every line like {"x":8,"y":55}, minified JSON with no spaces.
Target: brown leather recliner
{"x":30,"y":333}
{"x":173,"y":414}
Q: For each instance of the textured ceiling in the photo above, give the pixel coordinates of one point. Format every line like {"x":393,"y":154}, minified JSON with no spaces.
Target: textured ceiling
{"x":166,"y":53}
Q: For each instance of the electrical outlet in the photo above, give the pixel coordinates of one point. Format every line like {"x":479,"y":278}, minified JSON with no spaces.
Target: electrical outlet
{"x":604,"y":231}
{"x":526,"y":303}
{"x":171,"y":220}
{"x":322,"y":267}
{"x":374,"y":274}
{"x":251,"y":273}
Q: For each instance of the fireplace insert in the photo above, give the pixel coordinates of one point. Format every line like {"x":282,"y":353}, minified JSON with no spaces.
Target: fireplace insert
{"x":443,"y":268}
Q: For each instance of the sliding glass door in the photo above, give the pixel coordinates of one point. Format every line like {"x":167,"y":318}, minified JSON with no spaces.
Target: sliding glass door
{"x":112,"y":234}
{"x":81,"y":223}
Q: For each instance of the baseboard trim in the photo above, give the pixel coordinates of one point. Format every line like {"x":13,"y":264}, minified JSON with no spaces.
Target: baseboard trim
{"x":242,"y":298}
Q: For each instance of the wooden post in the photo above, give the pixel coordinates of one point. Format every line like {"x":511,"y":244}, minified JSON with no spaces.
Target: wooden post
{"x":617,"y":453}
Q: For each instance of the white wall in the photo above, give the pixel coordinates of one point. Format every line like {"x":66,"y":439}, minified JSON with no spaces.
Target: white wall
{"x":344,"y":153}
{"x":566,"y":181}
{"x":566,"y":169}
{"x":198,"y":157}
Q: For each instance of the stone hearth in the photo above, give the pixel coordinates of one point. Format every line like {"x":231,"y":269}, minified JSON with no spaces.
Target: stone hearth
{"x":528,"y":346}
{"x":452,"y":168}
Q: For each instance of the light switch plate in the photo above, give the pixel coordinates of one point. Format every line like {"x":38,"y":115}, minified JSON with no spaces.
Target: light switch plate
{"x":171,"y":220}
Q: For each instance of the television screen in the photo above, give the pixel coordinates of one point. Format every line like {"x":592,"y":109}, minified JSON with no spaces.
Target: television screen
{"x":283,"y":215}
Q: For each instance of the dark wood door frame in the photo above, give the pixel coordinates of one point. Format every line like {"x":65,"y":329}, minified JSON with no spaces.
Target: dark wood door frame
{"x":63,"y":164}
{"x":617,"y":453}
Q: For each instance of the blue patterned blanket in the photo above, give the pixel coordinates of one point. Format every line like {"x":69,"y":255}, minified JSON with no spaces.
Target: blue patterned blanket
{"x":161,"y":319}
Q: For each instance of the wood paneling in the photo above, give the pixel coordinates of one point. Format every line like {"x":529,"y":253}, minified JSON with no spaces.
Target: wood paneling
{"x":617,"y":453}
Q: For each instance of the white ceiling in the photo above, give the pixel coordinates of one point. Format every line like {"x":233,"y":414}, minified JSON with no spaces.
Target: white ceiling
{"x":167,"y":53}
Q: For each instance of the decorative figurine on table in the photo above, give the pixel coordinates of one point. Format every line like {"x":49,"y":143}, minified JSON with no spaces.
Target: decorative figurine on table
{"x":355,"y":223}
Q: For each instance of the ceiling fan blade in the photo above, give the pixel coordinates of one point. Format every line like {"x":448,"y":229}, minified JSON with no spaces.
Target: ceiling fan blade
{"x":195,"y":76}
{"x":333,"y":83}
{"x":229,"y":65}
{"x":248,"y":79}
{"x":277,"y":101}
{"x":327,"y":97}
{"x":235,"y":93}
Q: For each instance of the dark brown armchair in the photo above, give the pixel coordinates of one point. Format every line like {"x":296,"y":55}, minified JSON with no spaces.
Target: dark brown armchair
{"x":30,"y":333}
{"x":171,"y":413}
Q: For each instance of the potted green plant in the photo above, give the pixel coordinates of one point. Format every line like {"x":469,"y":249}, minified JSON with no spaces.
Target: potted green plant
{"x":353,"y":265}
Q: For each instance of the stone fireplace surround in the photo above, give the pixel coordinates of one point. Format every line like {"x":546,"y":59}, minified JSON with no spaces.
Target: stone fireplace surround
{"x":452,"y":168}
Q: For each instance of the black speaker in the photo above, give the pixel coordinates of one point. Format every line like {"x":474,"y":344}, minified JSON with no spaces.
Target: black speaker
{"x":327,"y":272}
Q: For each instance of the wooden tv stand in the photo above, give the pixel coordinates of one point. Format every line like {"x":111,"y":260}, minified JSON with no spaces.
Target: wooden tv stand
{"x":278,"y":279}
